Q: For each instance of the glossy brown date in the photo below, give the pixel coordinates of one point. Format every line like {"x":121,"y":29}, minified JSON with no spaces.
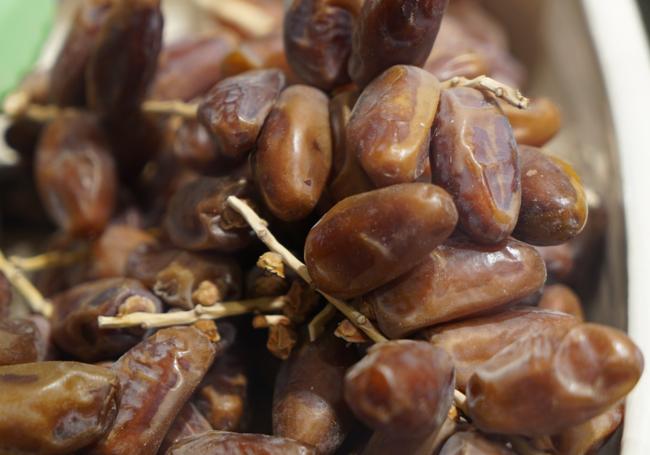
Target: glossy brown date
{"x":474,"y":157}
{"x":74,"y":321}
{"x":308,"y":403}
{"x":20,"y":342}
{"x":369,"y":239}
{"x":318,"y":40}
{"x":188,"y":422}
{"x":473,"y":443}
{"x":457,"y":279}
{"x":55,"y":407}
{"x":390,"y":127}
{"x":474,"y":341}
{"x":553,"y":202}
{"x":112,"y":249}
{"x":68,"y":74}
{"x":560,"y":260}
{"x":558,"y":297}
{"x":192,"y":145}
{"x":157,"y":377}
{"x":198,"y":217}
{"x":392,"y":32}
{"x":235,"y":109}
{"x":75,"y":174}
{"x":588,"y":437}
{"x":543,"y":384}
{"x":189,"y":67}
{"x":223,"y":442}
{"x":535,"y":125}
{"x":294,"y":153}
{"x":124,"y":60}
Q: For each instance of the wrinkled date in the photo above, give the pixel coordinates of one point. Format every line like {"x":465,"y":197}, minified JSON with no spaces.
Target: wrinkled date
{"x":20,"y":342}
{"x":588,"y":437}
{"x":472,"y":342}
{"x":308,"y":403}
{"x":123,"y":62}
{"x":157,"y":377}
{"x":390,"y":126}
{"x":553,"y":202}
{"x":74,"y":321}
{"x":369,"y":239}
{"x":473,"y":443}
{"x":260,"y":53}
{"x":294,"y":153}
{"x":457,"y":279}
{"x":112,"y":249}
{"x":68,"y":74}
{"x":223,"y":442}
{"x":198,"y":217}
{"x":474,"y":157}
{"x":318,"y":40}
{"x":236,"y":108}
{"x":188,"y":422}
{"x":55,"y":407}
{"x":558,"y":297}
{"x":75,"y":174}
{"x":587,"y":371}
{"x":535,"y":125}
{"x":391,"y":32}
{"x":192,"y":145}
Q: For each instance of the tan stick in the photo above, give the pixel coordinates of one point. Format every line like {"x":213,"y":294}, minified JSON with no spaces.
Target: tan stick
{"x":200,"y":312}
{"x":48,"y":260}
{"x":484,"y":83}
{"x":185,"y":110}
{"x":35,"y":300}
{"x":259,"y":227}
{"x":317,"y":325}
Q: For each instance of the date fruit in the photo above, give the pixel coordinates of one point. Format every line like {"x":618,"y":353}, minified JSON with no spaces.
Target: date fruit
{"x":223,"y":442}
{"x":535,"y":125}
{"x":20,"y":342}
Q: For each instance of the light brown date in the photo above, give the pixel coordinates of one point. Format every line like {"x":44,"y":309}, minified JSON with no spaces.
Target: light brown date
{"x":20,"y":342}
{"x":474,"y":157}
{"x":369,"y":239}
{"x":535,"y":125}
{"x":112,"y":249}
{"x":558,"y":297}
{"x":457,"y":279}
{"x":223,"y":442}
{"x":293,"y":158}
{"x":390,"y":127}
{"x":588,"y":437}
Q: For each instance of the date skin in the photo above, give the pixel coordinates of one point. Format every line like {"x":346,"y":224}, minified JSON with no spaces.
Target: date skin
{"x":473,"y":443}
{"x":474,"y":341}
{"x":112,"y":249}
{"x":392,"y":32}
{"x":543,"y":384}
{"x":223,"y":443}
{"x":390,"y":126}
{"x":123,"y":62}
{"x":535,"y":125}
{"x":198,"y":217}
{"x":188,"y":422}
{"x":74,"y":321}
{"x":369,"y":239}
{"x":318,"y":40}
{"x":457,"y":279}
{"x":157,"y":377}
{"x":308,"y":403}
{"x":294,"y":153}
{"x":235,"y":109}
{"x":51,"y":408}
{"x":553,"y":203}
{"x":261,"y":53}
{"x":20,"y":342}
{"x":590,"y":436}
{"x":474,"y":157}
{"x":75,"y":174}
{"x":558,"y":297}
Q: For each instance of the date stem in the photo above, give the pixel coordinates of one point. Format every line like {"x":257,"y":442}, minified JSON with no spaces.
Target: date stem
{"x":259,"y":226}
{"x":35,"y":300}
{"x":317,"y":325}
{"x":48,"y":260}
{"x":487,"y":84}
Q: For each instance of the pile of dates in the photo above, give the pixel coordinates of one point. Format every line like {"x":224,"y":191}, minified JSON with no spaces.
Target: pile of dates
{"x":426,"y":205}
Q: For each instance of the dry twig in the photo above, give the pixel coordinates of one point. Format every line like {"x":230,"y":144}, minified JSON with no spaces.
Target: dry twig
{"x":35,"y":300}
{"x":487,"y":84}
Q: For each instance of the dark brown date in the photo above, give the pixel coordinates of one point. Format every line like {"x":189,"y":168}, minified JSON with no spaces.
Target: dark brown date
{"x":543,"y":384}
{"x":553,"y":202}
{"x":189,"y":67}
{"x":308,"y":403}
{"x":112,"y":249}
{"x":236,"y":108}
{"x":55,"y":407}
{"x":75,"y":174}
{"x":6,"y":295}
{"x":188,"y":422}
{"x":74,"y":321}
{"x":318,"y":40}
{"x":389,"y":231}
{"x":294,"y":153}
{"x":474,"y":156}
{"x":402,"y":387}
{"x":124,"y":60}
{"x":20,"y":342}
{"x":198,"y":217}
{"x":192,"y":145}
{"x":390,"y":127}
{"x":560,"y":260}
{"x":472,"y":342}
{"x":223,"y":442}
{"x":457,"y":279}
{"x":473,"y":443}
{"x":588,"y":437}
{"x":157,"y":377}
{"x":68,"y":74}
{"x":535,"y":125}
{"x":558,"y":297}
{"x":147,"y":260}
{"x":392,"y":32}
